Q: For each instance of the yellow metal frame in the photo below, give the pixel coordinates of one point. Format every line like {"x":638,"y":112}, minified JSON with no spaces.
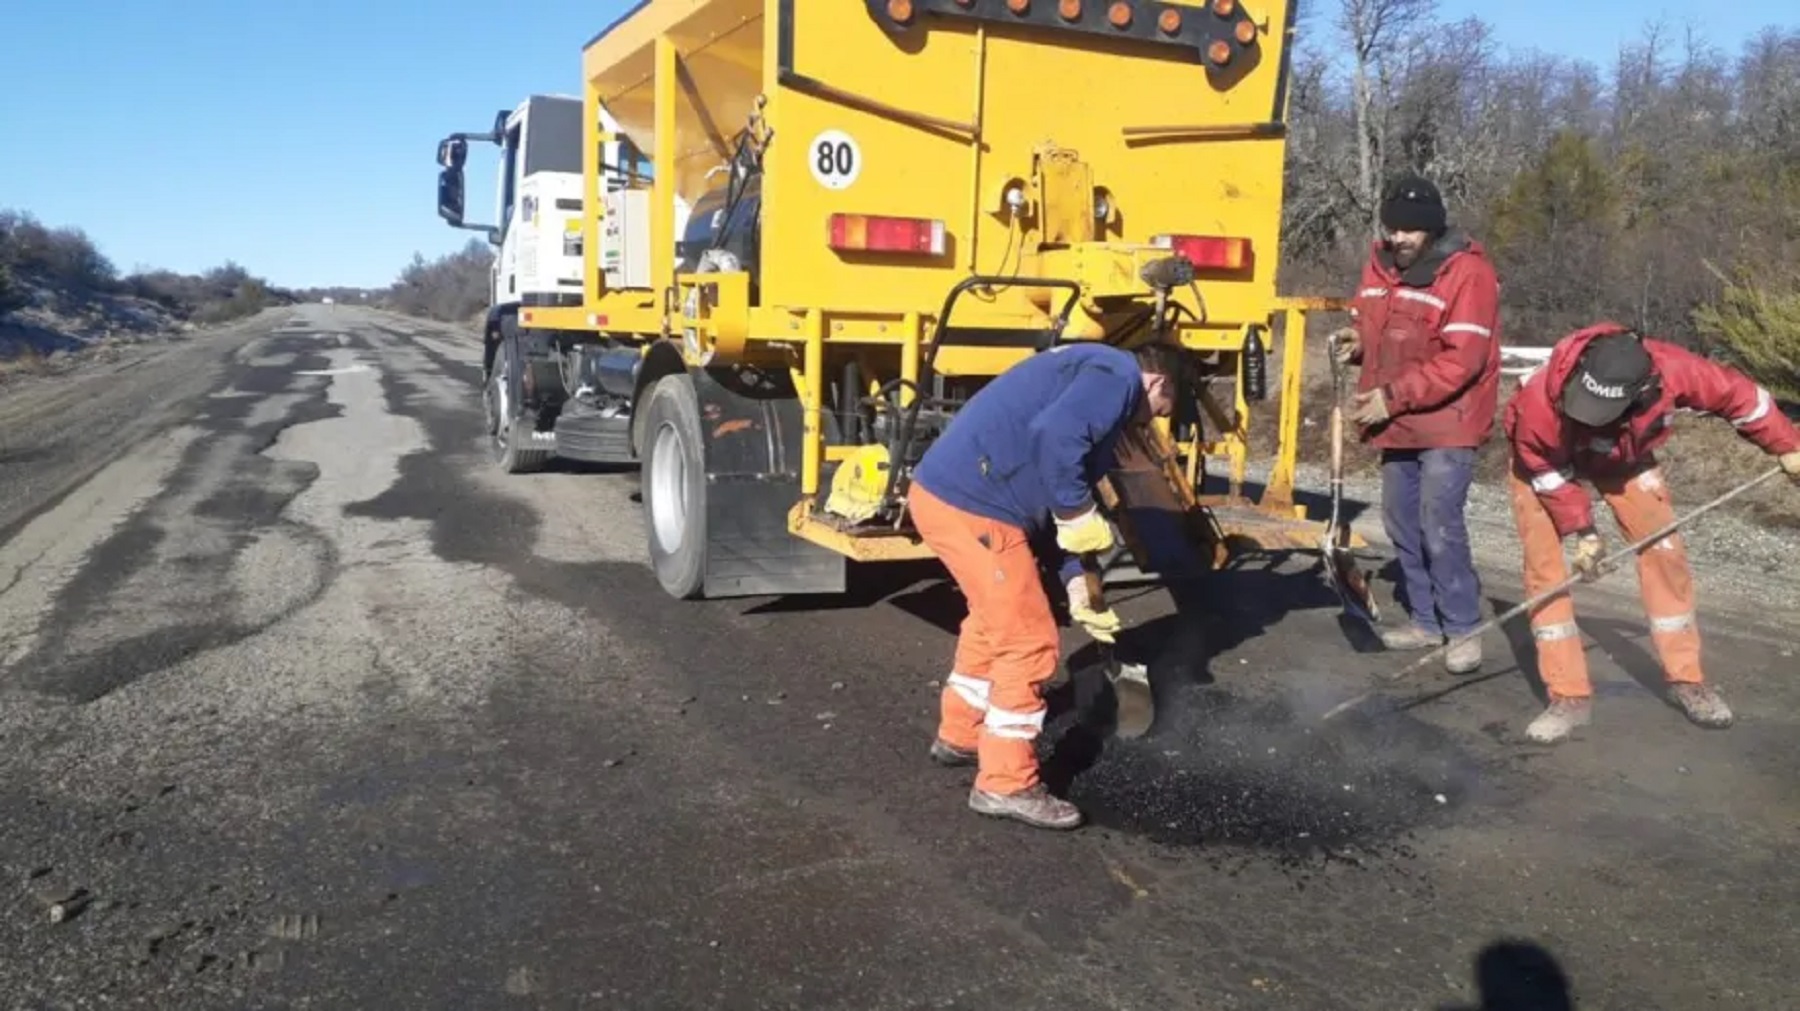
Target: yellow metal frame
{"x":653,"y":71}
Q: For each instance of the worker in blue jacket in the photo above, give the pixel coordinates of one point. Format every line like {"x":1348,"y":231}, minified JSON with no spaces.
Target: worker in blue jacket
{"x":1022,"y":457}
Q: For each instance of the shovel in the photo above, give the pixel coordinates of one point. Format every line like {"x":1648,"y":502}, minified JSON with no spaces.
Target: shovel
{"x":1136,"y":708}
{"x":1339,"y":564}
{"x":1606,"y":565}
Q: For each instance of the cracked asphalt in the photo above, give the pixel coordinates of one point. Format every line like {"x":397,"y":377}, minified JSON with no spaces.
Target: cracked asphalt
{"x":303,"y":704}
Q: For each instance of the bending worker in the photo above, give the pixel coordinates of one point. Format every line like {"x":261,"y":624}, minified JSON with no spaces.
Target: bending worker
{"x":1427,"y":338}
{"x":1599,"y":409}
{"x":1025,"y":452}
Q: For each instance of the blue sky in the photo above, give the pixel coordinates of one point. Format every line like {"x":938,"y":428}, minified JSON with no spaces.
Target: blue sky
{"x":297,"y":136}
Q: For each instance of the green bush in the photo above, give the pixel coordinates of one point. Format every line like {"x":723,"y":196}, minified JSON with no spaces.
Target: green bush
{"x":11,"y":295}
{"x":1758,"y":325}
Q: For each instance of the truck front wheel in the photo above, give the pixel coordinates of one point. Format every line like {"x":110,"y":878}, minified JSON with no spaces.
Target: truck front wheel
{"x":509,"y":426}
{"x":674,"y":486}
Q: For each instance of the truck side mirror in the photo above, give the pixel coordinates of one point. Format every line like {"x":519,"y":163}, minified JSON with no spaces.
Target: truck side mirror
{"x":452,"y":153}
{"x":450,"y":196}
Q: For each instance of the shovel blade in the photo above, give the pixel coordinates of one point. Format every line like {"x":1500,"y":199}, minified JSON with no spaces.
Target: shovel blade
{"x":1136,"y":707}
{"x":1351,"y":584}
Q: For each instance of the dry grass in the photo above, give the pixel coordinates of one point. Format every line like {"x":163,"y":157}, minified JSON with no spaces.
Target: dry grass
{"x":28,"y":362}
{"x":1705,"y":459}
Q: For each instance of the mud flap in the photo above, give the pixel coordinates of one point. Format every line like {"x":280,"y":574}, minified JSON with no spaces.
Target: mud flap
{"x":752,"y":430}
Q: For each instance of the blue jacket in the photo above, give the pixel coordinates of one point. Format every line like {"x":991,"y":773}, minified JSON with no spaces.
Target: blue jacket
{"x":1037,"y":437}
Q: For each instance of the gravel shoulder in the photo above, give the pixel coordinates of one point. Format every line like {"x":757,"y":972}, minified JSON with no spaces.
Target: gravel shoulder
{"x":1741,"y":568}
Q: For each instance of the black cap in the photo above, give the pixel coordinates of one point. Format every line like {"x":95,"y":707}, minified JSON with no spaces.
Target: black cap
{"x":1608,"y":376}
{"x":1413,"y":204}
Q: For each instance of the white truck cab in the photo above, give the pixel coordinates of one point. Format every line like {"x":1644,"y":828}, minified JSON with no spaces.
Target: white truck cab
{"x":538,"y":204}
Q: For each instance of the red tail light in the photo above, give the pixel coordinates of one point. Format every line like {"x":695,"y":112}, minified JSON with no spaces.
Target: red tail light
{"x":868,"y":233}
{"x":1208,"y":252}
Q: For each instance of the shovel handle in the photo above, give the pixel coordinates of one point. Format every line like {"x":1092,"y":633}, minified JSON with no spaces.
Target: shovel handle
{"x":1337,"y":445}
{"x":1090,"y":575}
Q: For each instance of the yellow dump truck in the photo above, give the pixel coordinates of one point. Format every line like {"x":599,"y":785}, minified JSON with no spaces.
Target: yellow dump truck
{"x":774,"y":244}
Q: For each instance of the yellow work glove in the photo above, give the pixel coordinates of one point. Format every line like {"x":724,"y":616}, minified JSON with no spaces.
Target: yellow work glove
{"x":1343,"y":344}
{"x":1368,"y":408}
{"x":1085,"y":534}
{"x":1586,"y":562}
{"x":1790,"y":462}
{"x":1101,"y":625}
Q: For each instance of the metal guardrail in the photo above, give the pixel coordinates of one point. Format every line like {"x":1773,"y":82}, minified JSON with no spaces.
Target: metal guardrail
{"x":1522,"y":362}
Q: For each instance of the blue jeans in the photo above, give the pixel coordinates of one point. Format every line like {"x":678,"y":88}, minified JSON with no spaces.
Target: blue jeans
{"x":1423,"y":493}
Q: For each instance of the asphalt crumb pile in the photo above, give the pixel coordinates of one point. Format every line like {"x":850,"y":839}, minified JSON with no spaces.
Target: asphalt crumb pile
{"x":1230,"y":772}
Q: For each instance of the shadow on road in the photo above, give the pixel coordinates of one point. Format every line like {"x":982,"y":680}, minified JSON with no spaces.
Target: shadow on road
{"x":1518,"y":975}
{"x":1619,"y":640}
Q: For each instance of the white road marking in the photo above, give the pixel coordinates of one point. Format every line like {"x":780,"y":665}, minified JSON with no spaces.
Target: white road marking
{"x":344,"y":371}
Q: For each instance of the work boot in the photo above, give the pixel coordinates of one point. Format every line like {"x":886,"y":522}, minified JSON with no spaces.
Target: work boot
{"x":1702,"y":704}
{"x":1410,"y":637}
{"x":1464,"y":657}
{"x":947,"y":754}
{"x":1033,"y":806}
{"x":1559,"y":719}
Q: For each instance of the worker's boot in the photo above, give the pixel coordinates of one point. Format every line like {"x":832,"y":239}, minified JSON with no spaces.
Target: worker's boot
{"x":1410,"y":637}
{"x":1464,"y":657}
{"x":1033,"y":806}
{"x":1559,"y":719}
{"x":947,"y":754}
{"x":1702,"y":704}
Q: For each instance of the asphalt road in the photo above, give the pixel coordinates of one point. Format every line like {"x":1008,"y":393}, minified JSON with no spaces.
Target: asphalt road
{"x":311,"y":707}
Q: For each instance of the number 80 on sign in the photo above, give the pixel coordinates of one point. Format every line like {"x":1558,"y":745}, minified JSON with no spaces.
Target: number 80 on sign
{"x":835,"y":159}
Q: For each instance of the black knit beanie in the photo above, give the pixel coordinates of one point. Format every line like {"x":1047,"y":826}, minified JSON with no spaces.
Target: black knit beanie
{"x":1413,"y":204}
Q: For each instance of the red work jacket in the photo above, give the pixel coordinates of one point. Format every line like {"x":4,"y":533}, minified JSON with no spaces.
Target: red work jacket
{"x":1430,"y":341}
{"x":1552,"y":451}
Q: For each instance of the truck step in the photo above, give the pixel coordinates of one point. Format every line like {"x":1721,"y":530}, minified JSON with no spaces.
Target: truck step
{"x":593,"y":437}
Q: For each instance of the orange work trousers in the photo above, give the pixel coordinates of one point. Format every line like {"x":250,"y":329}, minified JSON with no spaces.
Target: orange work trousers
{"x":1007,"y":648}
{"x":1641,"y":504}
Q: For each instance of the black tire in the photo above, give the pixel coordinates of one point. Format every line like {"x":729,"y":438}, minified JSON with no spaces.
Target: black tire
{"x":508,"y":427}
{"x":674,"y":487}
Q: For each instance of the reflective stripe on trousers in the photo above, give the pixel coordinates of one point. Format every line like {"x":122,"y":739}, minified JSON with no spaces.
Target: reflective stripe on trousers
{"x":1006,"y":649}
{"x":1640,"y":504}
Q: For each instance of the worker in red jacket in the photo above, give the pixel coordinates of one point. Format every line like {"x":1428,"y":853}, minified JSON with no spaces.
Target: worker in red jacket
{"x":1020,"y":458}
{"x":1427,"y":336}
{"x":1599,"y":409}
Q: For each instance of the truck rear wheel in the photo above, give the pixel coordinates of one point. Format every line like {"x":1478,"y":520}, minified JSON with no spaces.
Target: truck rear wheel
{"x":674,"y":486}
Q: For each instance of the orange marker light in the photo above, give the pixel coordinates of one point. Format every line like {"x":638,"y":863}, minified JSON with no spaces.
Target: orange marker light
{"x":1246,"y":33}
{"x":1169,"y":21}
{"x":1224,"y":8}
{"x":1120,"y":15}
{"x":1070,"y":10}
{"x":1018,"y":6}
{"x":900,"y":10}
{"x":1219,"y":52}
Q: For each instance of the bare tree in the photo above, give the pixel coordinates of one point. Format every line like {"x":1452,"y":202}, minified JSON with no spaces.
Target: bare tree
{"x":1373,"y":30}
